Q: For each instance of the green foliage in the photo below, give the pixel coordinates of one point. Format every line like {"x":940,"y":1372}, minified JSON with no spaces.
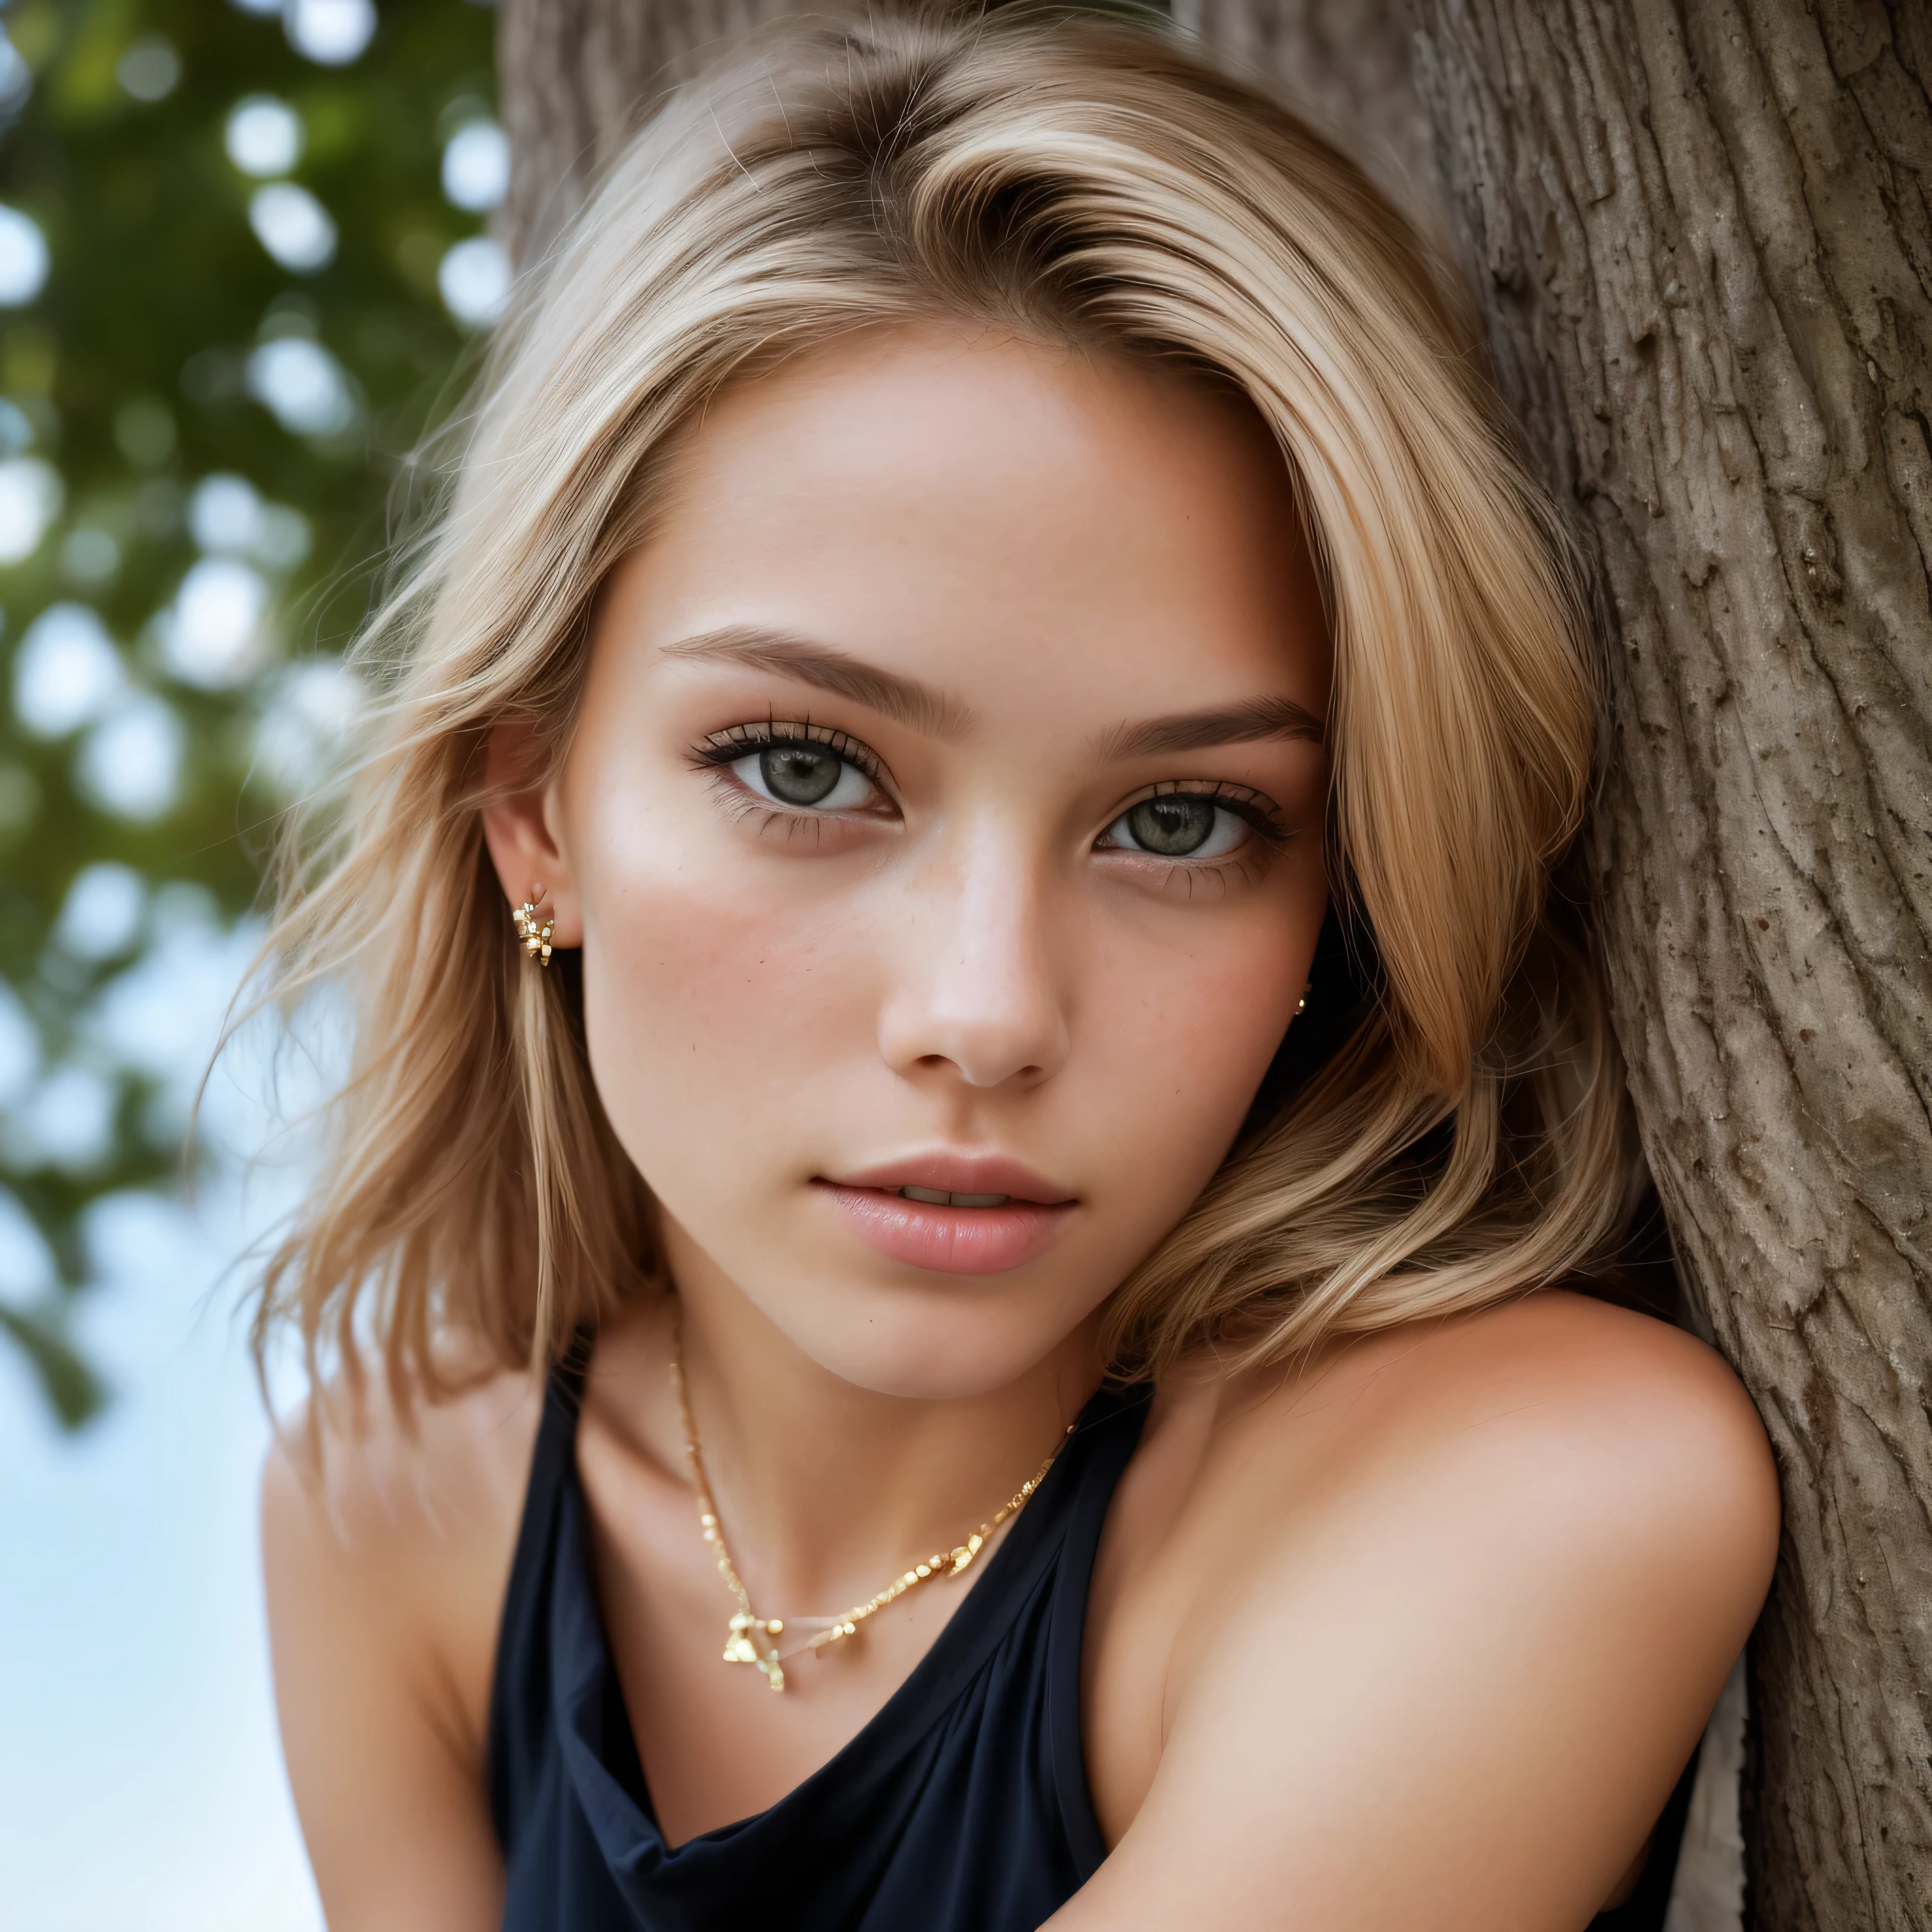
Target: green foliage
{"x":134,"y":376}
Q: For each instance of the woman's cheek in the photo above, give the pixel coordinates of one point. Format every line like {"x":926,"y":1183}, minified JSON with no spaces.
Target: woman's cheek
{"x":1190,"y":1036}
{"x":710,"y":1009}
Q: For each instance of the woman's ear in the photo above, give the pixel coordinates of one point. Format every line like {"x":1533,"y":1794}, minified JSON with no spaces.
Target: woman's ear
{"x":519,"y":829}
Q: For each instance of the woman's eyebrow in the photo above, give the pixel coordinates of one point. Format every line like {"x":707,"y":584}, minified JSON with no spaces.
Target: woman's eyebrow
{"x":1241,"y":723}
{"x":904,"y":700}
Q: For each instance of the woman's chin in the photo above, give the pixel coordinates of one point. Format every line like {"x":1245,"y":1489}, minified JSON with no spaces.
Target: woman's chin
{"x":920,"y":1336}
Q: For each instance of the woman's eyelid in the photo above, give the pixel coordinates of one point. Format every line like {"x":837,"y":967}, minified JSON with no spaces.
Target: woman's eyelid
{"x":1246,"y":802}
{"x":734,"y":741}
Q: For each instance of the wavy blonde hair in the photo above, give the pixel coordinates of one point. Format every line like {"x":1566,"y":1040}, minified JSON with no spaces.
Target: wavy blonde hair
{"x":1092,"y":184}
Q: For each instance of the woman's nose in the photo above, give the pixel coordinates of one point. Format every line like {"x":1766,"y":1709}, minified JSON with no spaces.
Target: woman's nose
{"x":974,"y":984}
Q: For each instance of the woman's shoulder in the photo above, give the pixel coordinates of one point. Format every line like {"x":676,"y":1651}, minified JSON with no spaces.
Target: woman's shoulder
{"x":1545,"y":1438}
{"x":389,"y":1479}
{"x":1613,"y":1431}
{"x":1566,"y":1363}
{"x":387,"y":1544}
{"x":1501,"y":1561}
{"x":387,"y":1538}
{"x":401,"y":1519}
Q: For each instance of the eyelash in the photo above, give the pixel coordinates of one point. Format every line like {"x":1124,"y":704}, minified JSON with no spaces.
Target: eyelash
{"x":1260,"y":812}
{"x":721,"y":749}
{"x":726,"y":748}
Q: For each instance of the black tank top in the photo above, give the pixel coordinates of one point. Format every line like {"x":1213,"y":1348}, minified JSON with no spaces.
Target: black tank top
{"x":962,"y":1807}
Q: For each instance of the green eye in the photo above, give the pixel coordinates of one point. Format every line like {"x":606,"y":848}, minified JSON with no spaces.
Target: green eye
{"x":1175,"y":825}
{"x":1189,"y":825}
{"x":800,"y":774}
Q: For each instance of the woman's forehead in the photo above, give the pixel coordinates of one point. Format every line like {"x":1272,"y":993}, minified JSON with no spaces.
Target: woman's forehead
{"x":977,"y":508}
{"x":938,"y":405}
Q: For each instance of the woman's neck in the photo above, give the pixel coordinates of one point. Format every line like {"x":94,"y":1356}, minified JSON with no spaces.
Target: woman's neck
{"x":826,"y":1489}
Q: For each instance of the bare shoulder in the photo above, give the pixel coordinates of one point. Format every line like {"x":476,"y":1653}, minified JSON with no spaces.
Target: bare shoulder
{"x":1622,"y":1427}
{"x":407,"y":1523}
{"x":403,"y":1524}
{"x":1492,"y":1569}
{"x":1574,"y":1367}
{"x":1615,"y":1434}
{"x":387,"y":1543}
{"x":390,"y":1491}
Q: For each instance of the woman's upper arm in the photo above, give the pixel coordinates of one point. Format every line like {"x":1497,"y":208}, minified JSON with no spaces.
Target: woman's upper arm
{"x":381,"y":1614}
{"x":1453,"y":1697}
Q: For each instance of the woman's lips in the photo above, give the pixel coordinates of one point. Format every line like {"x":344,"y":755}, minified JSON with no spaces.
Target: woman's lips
{"x":957,"y":1214}
{"x":948,"y":1240}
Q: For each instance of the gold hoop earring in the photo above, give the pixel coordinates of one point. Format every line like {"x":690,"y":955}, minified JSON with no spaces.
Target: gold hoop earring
{"x":534,"y":935}
{"x":1301,"y":1004}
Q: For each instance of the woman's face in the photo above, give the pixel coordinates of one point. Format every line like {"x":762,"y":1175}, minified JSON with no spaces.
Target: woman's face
{"x":943,"y":832}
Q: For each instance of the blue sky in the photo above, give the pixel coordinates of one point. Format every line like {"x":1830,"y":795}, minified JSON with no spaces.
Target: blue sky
{"x":141,"y":1786}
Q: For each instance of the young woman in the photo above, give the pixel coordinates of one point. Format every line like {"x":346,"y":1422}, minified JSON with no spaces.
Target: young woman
{"x":946,"y":1292}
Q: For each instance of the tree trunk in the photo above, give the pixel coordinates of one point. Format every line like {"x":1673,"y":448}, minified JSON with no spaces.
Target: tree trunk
{"x":577,"y":76}
{"x":1700,"y":232}
{"x":1707,"y":262}
{"x":1348,"y":65}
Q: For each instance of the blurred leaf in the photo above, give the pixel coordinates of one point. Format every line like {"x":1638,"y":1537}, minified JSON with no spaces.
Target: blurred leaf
{"x":72,"y":1389}
{"x":130,"y":372}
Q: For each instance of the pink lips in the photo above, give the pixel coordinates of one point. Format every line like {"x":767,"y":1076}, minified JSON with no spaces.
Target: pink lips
{"x":949,"y":1239}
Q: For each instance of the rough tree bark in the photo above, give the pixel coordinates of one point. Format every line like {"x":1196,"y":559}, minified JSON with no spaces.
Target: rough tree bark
{"x":1706,"y":256}
{"x":1701,"y":231}
{"x":577,"y":76}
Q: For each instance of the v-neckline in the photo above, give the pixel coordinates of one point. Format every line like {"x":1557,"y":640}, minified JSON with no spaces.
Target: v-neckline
{"x":592,"y":1715}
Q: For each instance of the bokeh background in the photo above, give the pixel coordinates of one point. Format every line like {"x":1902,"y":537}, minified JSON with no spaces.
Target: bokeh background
{"x":245,"y":266}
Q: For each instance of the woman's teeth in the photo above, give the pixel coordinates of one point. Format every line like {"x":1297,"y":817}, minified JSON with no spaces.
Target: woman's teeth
{"x":935,"y":1197}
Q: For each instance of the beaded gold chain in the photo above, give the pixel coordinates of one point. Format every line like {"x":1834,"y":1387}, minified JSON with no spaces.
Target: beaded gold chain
{"x":742,"y":1644}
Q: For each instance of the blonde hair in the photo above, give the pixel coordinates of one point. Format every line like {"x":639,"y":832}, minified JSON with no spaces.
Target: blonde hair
{"x":1097,"y":185}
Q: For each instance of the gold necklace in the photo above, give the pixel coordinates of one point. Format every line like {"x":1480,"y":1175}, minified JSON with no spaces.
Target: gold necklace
{"x":747,"y":1627}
